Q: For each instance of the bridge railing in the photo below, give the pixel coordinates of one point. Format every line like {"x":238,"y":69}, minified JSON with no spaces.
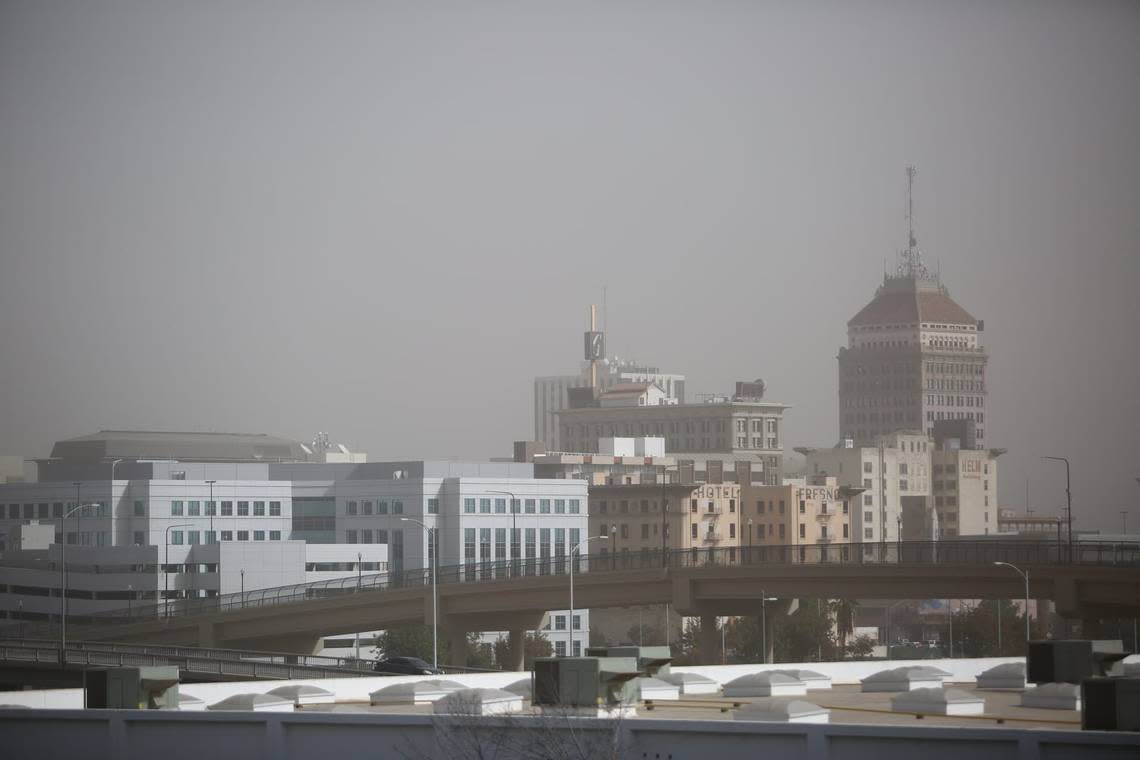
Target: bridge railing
{"x":898,"y":553}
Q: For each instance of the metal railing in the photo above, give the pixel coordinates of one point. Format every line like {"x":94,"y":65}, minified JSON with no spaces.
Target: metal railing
{"x":217,"y":662}
{"x":902,"y":553}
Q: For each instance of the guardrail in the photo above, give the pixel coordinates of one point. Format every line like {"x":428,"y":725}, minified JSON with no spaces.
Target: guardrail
{"x":899,"y":553}
{"x":217,"y":662}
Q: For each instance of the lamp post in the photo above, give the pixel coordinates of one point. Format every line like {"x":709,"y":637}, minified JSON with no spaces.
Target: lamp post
{"x":359,"y":578}
{"x":166,"y":567}
{"x":583,"y":542}
{"x":613,"y":546}
{"x":210,"y":506}
{"x":1024,"y":574}
{"x":749,"y":535}
{"x":1124,"y":521}
{"x":63,"y":574}
{"x":514,"y":526}
{"x":433,"y":547}
{"x":1068,"y":502}
{"x":130,"y":595}
{"x":764,"y":599}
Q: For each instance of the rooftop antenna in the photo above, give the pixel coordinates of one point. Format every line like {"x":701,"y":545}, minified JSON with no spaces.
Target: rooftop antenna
{"x":911,"y":264}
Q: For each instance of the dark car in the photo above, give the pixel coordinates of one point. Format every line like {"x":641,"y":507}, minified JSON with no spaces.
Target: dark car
{"x":405,"y":666}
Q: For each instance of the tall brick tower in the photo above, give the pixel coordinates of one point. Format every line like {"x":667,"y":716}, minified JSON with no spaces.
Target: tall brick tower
{"x":913,"y":355}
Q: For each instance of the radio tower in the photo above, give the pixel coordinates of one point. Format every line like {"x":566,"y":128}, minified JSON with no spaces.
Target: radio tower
{"x":911,"y":264}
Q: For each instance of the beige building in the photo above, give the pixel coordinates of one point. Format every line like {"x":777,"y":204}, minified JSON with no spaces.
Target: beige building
{"x":818,"y":513}
{"x":965,"y":491}
{"x":894,"y":475}
{"x":738,"y":439}
{"x":641,"y":518}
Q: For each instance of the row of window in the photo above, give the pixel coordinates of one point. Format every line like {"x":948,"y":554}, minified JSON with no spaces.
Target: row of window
{"x":522,"y":506}
{"x":195,"y":537}
{"x":384,"y":507}
{"x":366,"y":536}
{"x":195,"y":509}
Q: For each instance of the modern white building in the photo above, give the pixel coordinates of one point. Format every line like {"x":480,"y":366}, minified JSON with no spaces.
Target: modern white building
{"x":172,"y":529}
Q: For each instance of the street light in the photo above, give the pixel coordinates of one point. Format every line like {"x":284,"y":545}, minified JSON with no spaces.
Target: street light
{"x":764,"y":599}
{"x":1024,"y":574}
{"x":1068,"y":501}
{"x":166,"y":567}
{"x":210,"y":506}
{"x":583,"y":542}
{"x":433,"y":547}
{"x":63,"y":575}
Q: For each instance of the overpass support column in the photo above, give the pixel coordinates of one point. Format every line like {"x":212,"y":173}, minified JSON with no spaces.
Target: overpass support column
{"x":710,"y":640}
{"x":457,"y":637}
{"x":517,"y":643}
{"x":1040,"y":629}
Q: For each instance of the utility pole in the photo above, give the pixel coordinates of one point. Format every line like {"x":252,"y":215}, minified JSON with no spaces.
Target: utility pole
{"x":1068,"y":500}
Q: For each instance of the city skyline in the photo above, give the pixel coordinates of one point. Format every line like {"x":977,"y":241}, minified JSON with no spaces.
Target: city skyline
{"x":297,"y":232}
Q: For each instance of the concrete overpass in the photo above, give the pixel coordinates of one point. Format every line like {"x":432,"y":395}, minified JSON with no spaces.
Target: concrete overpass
{"x":1087,"y":581}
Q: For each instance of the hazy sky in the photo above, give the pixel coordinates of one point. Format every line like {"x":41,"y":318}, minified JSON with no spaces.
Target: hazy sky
{"x":384,"y":219}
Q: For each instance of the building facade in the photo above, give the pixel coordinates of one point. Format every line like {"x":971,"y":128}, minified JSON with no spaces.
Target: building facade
{"x":551,"y":393}
{"x":818,"y":513}
{"x":913,"y":357}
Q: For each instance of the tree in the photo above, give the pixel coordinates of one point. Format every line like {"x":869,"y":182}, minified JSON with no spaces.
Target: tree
{"x":535,"y":645}
{"x":844,"y":610}
{"x":861,"y":648}
{"x":805,"y":635}
{"x":975,"y":630}
{"x":479,"y":655}
{"x":410,"y":641}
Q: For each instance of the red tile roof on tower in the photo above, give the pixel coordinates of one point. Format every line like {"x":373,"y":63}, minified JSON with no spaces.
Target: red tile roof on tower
{"x":894,"y":306}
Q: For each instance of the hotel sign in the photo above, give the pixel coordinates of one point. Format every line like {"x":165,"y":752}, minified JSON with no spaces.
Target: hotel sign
{"x":818,"y":493}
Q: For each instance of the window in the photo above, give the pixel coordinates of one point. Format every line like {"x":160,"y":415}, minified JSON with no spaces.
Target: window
{"x":760,"y":507}
{"x":176,"y":508}
{"x":176,"y":537}
{"x":275,"y":508}
{"x":469,"y":506}
{"x":902,"y":467}
{"x":193,"y":508}
{"x":868,"y":532}
{"x":485,"y":506}
{"x":140,"y":508}
{"x":694,"y":529}
{"x":560,"y":649}
{"x":781,"y":506}
{"x":381,"y":536}
{"x":350,"y":536}
{"x":544,"y":506}
{"x":366,"y":536}
{"x":574,"y":506}
{"x":243,"y":509}
{"x":577,"y":623}
{"x":732,"y":505}
{"x":382,"y":507}
{"x":904,"y":485}
{"x":433,"y":506}
{"x":866,"y":482}
{"x":528,"y":506}
{"x":274,"y":535}
{"x":866,"y":467}
{"x":349,"y":507}
{"x":559,"y":506}
{"x":560,"y":622}
{"x":500,"y":506}
{"x":803,"y":506}
{"x":397,"y":507}
{"x":211,"y":508}
{"x":625,"y":530}
{"x":259,"y":535}
{"x":211,"y":537}
{"x":868,"y":500}
{"x":139,"y":538}
{"x":365,"y":507}
{"x":803,"y":528}
{"x":243,"y":535}
{"x":731,"y":530}
{"x":227,"y":509}
{"x":782,"y":531}
{"x":845,"y":530}
{"x":692,"y":505}
{"x":227,"y":535}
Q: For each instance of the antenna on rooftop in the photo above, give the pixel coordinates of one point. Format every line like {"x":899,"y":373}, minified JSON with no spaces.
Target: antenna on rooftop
{"x":910,"y":172}
{"x":911,"y":264}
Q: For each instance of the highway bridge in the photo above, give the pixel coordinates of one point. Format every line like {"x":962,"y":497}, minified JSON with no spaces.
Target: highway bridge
{"x":1083,"y":580}
{"x":24,"y":661}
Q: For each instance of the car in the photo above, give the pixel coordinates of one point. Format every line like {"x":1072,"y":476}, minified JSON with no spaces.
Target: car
{"x":405,"y":666}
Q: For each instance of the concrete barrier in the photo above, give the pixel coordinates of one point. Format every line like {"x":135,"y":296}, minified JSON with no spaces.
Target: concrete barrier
{"x":146,"y":734}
